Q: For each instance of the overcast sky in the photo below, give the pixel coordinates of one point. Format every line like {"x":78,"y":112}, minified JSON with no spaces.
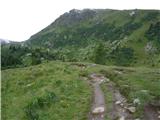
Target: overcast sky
{"x":19,"y":19}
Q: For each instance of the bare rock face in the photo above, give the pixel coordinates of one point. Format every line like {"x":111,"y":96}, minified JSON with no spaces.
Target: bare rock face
{"x":149,"y":48}
{"x":74,"y":16}
{"x":98,"y":110}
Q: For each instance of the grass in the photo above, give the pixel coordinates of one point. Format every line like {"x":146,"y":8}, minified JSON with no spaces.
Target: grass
{"x":138,"y":82}
{"x":55,"y":90}
{"x":47,"y":91}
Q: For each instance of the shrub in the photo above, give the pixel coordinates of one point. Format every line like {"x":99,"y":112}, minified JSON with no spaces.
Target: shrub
{"x":123,"y":56}
{"x":100,"y":54}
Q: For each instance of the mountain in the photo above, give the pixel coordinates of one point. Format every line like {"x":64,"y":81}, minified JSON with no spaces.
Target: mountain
{"x":116,"y":37}
{"x":4,"y":41}
{"x":78,"y":27}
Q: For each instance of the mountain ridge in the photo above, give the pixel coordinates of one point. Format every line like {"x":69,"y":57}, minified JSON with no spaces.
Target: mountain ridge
{"x":126,"y":35}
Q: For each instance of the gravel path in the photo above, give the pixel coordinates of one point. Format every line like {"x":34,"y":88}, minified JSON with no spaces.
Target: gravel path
{"x":98,"y":104}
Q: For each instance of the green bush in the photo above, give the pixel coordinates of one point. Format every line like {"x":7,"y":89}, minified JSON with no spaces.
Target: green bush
{"x":123,"y":56}
{"x":100,"y":54}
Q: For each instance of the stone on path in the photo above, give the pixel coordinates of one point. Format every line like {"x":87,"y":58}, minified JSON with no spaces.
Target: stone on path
{"x":137,"y":119}
{"x":98,"y":110}
{"x":122,"y":118}
{"x":132,"y":109}
{"x":118,"y":102}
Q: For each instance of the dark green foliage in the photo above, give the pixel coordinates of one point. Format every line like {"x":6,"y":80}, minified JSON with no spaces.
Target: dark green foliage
{"x":11,"y":55}
{"x":129,"y":27}
{"x":100,"y":54}
{"x":153,"y":33}
{"x":36,"y":57}
{"x":123,"y":56}
{"x":151,"y":16}
{"x":15,"y":55}
{"x":84,"y":74}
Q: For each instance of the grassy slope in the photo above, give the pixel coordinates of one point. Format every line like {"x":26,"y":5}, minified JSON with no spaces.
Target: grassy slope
{"x":135,"y":40}
{"x":23,"y":87}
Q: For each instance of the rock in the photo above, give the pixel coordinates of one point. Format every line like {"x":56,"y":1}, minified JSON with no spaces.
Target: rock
{"x":136,"y":101}
{"x":118,"y":72}
{"x":118,"y":102}
{"x":93,"y":65}
{"x":150,"y":48}
{"x":121,"y":104}
{"x":102,"y":116}
{"x":132,"y":109}
{"x":132,"y":13}
{"x":159,"y":117}
{"x":124,"y":101}
{"x":102,"y":80}
{"x":122,"y":118}
{"x":107,"y":80}
{"x":137,"y":119}
{"x":98,"y":110}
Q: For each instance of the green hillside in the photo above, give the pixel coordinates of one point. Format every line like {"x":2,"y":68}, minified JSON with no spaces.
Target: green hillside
{"x":134,"y":29}
{"x":129,"y":38}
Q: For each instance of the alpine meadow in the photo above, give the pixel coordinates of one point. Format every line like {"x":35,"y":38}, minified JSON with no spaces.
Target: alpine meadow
{"x":90,"y":64}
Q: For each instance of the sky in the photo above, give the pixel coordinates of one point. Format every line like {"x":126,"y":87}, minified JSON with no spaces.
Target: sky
{"x":19,"y":19}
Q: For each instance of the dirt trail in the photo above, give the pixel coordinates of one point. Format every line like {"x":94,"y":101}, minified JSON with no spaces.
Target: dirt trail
{"x":151,"y":112}
{"x":98,"y":104}
{"x":119,"y":106}
{"x":118,"y":111}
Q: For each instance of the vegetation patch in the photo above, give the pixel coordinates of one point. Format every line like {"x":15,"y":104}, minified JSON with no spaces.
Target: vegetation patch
{"x":47,"y":91}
